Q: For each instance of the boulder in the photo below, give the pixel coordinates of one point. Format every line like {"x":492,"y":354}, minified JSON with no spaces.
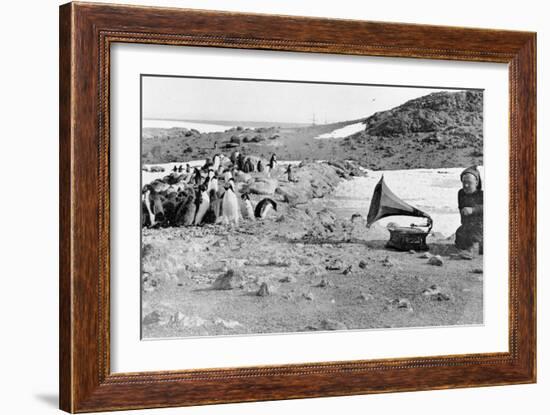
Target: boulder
{"x":228,"y":324}
{"x":308,"y":296}
{"x":263,"y":186}
{"x":229,"y":280}
{"x":329,"y":324}
{"x":264,"y":290}
{"x":436,"y":260}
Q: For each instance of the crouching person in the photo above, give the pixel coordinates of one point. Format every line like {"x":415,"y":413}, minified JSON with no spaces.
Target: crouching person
{"x":470,"y":205}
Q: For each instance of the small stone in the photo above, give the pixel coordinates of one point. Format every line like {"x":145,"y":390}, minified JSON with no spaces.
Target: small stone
{"x":324,"y":283}
{"x":436,"y":294}
{"x":264,"y":290}
{"x":387,"y":262}
{"x":477,"y":271}
{"x":435,"y":260}
{"x":403,"y":304}
{"x":425,"y":255}
{"x":433,"y":290}
{"x":151,"y":318}
{"x":362,"y":264}
{"x":288,"y":278}
{"x":230,"y":324}
{"x":348,"y":270}
{"x":334,"y":265}
{"x":364,"y":297}
{"x":332,"y":325}
{"x":441,"y":297}
{"x":412,"y":251}
{"x":228,"y":281}
{"x":308,"y":296}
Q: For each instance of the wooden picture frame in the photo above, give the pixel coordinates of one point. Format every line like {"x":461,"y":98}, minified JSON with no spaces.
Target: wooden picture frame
{"x":86,"y":33}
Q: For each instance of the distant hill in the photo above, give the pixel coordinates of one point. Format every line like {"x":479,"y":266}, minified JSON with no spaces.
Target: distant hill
{"x":443,"y":129}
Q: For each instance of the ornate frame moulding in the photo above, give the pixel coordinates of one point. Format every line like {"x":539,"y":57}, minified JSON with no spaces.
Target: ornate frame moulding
{"x":86,"y":33}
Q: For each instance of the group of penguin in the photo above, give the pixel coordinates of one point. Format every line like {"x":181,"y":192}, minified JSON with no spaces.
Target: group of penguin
{"x":187,"y":198}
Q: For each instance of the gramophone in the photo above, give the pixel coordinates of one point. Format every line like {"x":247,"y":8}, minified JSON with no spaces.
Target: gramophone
{"x":383,"y":204}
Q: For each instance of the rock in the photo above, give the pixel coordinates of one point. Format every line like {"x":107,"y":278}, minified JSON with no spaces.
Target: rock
{"x":404,"y":304}
{"x":324,"y":283}
{"x":435,"y":260}
{"x":151,"y":318}
{"x":236,"y":262}
{"x":329,"y":324}
{"x":364,"y":297}
{"x":348,"y":270}
{"x":334,"y":265}
{"x":263,"y":186}
{"x":362,"y":264}
{"x":187,"y":321}
{"x":477,"y":271}
{"x":425,"y":255}
{"x":412,"y":251}
{"x":388,"y":262}
{"x":229,"y":280}
{"x":308,"y":296}
{"x":150,"y":284}
{"x":157,"y":317}
{"x":264,"y":290}
{"x":288,"y":278}
{"x":434,"y":292}
{"x":243,"y":177}
{"x":441,"y":297}
{"x":229,"y":324}
{"x":292,"y":194}
{"x":278,"y":261}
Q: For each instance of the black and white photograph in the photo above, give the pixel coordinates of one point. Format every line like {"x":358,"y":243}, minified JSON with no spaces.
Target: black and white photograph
{"x":292,"y":206}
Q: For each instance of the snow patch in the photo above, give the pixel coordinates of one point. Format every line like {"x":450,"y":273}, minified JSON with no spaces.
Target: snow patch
{"x":343,"y":132}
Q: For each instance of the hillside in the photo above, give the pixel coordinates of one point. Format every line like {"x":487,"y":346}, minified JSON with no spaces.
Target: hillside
{"x":439,"y":130}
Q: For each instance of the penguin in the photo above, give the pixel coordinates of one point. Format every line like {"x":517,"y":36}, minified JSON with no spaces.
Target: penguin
{"x":264,"y":207}
{"x":247,"y":205}
{"x":260,"y":166}
{"x":230,"y":204}
{"x":197,"y":176}
{"x":216,"y":162}
{"x":290,"y":174}
{"x":240,"y":161}
{"x":175,"y":169}
{"x":187,"y":215}
{"x":213,"y":212}
{"x":272,"y":163}
{"x":203,"y":203}
{"x":234,"y":157}
{"x":146,"y":197}
{"x":180,"y":168}
{"x":212,"y":181}
{"x":227,"y":175}
{"x":248,"y":166}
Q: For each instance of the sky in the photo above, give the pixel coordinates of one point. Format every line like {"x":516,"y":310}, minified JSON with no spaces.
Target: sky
{"x":180,"y":98}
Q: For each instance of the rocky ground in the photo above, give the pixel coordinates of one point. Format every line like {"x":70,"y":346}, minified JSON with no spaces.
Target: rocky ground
{"x":299,"y":269}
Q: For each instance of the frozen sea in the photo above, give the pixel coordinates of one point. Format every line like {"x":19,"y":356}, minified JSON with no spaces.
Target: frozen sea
{"x":199,"y":126}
